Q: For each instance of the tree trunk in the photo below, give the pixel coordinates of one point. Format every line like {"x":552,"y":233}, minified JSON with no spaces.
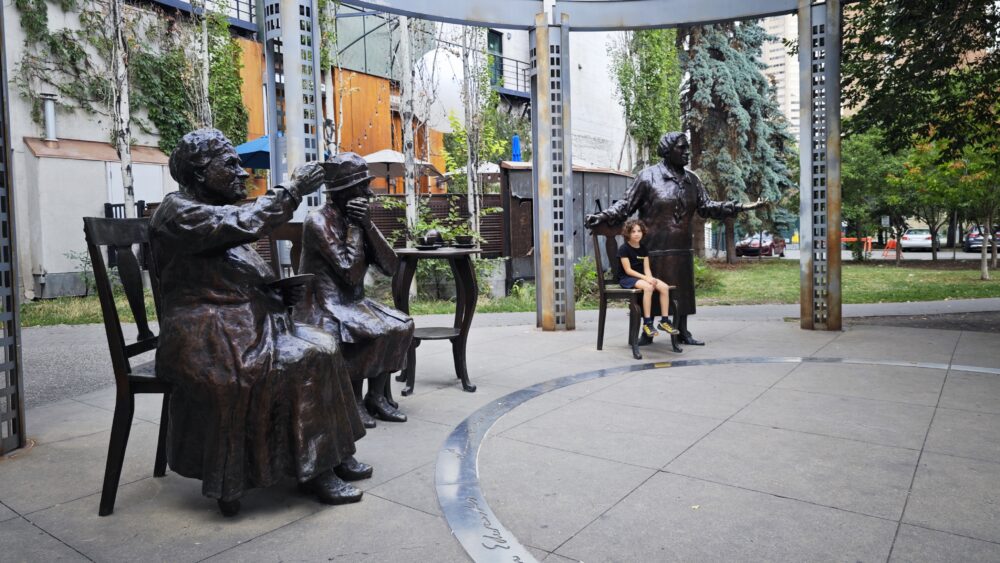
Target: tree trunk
{"x":204,"y":106}
{"x":121,"y":111}
{"x":984,"y":267}
{"x":730,"y":223}
{"x":470,"y":99}
{"x":406,"y":99}
{"x":934,"y":243}
{"x":898,"y":236}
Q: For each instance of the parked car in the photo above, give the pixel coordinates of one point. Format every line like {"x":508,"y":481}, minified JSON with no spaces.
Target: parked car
{"x":918,"y":239}
{"x":974,"y":239}
{"x":756,"y":245}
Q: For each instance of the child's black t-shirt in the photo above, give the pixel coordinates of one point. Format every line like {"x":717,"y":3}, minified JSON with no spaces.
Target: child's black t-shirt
{"x":635,"y":257}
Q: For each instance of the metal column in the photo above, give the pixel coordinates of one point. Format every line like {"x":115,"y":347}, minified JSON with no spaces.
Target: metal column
{"x":552,"y":174}
{"x":12,"y":435}
{"x":819,"y":182}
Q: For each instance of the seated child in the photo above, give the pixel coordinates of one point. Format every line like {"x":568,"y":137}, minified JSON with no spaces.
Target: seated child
{"x":636,"y":274}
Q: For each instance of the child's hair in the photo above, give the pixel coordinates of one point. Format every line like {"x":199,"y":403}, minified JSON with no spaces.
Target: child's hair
{"x":627,"y":229}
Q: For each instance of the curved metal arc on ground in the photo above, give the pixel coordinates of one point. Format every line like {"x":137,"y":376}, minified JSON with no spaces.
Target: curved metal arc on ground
{"x":456,"y":479}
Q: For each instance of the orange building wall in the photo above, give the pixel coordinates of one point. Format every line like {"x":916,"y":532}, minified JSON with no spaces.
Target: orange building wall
{"x":252,"y":72}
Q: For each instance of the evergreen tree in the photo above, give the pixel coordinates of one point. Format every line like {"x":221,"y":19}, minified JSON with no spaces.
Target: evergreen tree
{"x":648,"y":77}
{"x":739,"y":139}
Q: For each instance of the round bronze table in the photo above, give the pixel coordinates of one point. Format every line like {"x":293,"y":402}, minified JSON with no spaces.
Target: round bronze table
{"x":466,"y":295}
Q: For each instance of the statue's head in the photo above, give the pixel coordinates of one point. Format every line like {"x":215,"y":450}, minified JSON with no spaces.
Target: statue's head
{"x":206,"y":166}
{"x":346,"y":178}
{"x":674,"y":149}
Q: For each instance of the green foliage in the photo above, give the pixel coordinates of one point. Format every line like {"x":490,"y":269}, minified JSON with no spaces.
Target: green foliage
{"x":740,"y":140}
{"x":85,"y":269}
{"x":585,"y":279}
{"x":450,"y":226}
{"x":865,"y":168}
{"x":225,"y":84}
{"x":922,"y":68}
{"x":705,"y":277}
{"x":648,"y":76}
{"x":156,"y":76}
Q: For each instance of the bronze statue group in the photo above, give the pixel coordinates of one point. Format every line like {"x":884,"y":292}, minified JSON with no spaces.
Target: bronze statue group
{"x":267,"y":374}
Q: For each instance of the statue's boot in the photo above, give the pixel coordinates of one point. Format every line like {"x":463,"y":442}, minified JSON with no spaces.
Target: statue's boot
{"x":330,"y":489}
{"x":229,"y":507}
{"x":685,"y":337}
{"x":644,"y":340}
{"x":353,"y":470}
{"x":366,"y":418}
{"x":377,"y":404}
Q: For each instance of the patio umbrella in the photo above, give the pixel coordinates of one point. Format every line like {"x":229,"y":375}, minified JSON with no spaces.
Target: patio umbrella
{"x":391,"y":164}
{"x":255,"y":153}
{"x":515,"y":148}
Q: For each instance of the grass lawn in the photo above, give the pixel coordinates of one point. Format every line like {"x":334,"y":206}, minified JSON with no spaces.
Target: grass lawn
{"x":750,"y":282}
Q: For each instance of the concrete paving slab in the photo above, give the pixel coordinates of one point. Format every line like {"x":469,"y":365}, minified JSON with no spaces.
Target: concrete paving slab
{"x":755,"y":337}
{"x":637,"y":436}
{"x":763,"y":375}
{"x":674,"y":518}
{"x":450,"y":405}
{"x":172,"y":520}
{"x":546,"y":496}
{"x":965,"y":434}
{"x":22,"y":541}
{"x":958,"y":495}
{"x":394,"y":449}
{"x":971,"y":391}
{"x":833,"y":472}
{"x":529,"y":411}
{"x":6,"y":513}
{"x":373,"y":530}
{"x":554,"y":558}
{"x":897,"y":343}
{"x":657,"y":389}
{"x":65,"y":471}
{"x":148,"y":406}
{"x":977,"y":349}
{"x":884,"y":383}
{"x":64,"y":420}
{"x":866,"y":420}
{"x":414,"y":489}
{"x":573,"y":362}
{"x":915,"y":544}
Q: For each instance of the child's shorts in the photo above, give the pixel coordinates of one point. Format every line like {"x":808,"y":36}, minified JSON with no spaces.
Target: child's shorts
{"x":628,"y":282}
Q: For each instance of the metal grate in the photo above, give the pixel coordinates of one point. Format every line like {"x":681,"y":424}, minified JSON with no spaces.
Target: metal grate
{"x":12,"y":434}
{"x":820,"y":249}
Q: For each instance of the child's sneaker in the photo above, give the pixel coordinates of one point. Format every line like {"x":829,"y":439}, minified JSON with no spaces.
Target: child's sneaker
{"x":649,"y":330}
{"x":665,"y":326}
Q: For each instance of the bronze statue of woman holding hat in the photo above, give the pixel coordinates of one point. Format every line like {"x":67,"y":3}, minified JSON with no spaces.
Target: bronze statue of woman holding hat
{"x":339,"y":243}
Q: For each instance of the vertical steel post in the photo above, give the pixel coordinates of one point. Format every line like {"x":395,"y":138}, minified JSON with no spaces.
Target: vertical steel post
{"x":819,"y":182}
{"x":552,"y":174}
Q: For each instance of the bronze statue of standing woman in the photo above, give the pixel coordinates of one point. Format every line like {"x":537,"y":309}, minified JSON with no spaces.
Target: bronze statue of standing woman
{"x":666,"y":197}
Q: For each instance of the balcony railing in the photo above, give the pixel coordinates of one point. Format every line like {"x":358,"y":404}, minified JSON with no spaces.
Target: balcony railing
{"x":510,"y":76}
{"x":241,"y":13}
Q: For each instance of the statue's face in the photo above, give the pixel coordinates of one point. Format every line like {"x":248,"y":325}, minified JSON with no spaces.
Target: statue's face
{"x":680,"y":155}
{"x":341,"y":197}
{"x":224,"y":181}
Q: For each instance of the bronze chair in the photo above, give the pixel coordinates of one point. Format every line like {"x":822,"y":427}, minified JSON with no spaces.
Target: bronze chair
{"x":119,"y":235}
{"x":608,"y":288}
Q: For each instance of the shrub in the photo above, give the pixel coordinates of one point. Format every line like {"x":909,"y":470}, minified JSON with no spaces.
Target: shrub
{"x":705,"y":277}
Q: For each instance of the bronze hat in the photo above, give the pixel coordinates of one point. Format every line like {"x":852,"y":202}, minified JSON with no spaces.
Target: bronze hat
{"x":345,"y":170}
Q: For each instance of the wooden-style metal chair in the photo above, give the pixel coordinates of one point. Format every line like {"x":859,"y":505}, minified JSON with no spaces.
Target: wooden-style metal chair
{"x":608,"y":288}
{"x":119,"y":236}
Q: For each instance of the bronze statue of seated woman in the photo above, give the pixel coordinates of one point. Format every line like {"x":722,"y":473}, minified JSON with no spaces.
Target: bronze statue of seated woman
{"x":339,"y":243}
{"x":256,"y":397}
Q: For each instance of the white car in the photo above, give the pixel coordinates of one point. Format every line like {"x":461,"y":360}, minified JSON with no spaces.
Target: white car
{"x":917,"y":239}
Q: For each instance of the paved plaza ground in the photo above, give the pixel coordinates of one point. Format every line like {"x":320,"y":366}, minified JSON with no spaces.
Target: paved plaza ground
{"x":770,"y":443}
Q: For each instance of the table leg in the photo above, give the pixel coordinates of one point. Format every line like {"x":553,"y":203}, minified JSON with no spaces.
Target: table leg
{"x":401,"y":283}
{"x":467,"y":293}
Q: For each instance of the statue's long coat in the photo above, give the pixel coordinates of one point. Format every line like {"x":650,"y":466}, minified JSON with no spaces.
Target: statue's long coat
{"x":666,"y":202}
{"x":254,"y":398}
{"x":374,"y":337}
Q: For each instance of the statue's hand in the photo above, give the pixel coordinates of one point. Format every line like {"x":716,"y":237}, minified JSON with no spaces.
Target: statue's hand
{"x":748,"y":206}
{"x":308,"y":177}
{"x":358,"y":210}
{"x":592,"y":220}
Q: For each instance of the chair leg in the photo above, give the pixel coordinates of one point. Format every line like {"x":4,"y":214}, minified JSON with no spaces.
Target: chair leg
{"x":601,"y":316}
{"x":120,"y":428}
{"x":160,"y":468}
{"x":673,"y":321}
{"x":410,"y":371}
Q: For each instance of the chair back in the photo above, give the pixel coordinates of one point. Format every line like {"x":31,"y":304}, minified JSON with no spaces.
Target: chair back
{"x":120,"y":236}
{"x":606,"y":275}
{"x":292,"y":232}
